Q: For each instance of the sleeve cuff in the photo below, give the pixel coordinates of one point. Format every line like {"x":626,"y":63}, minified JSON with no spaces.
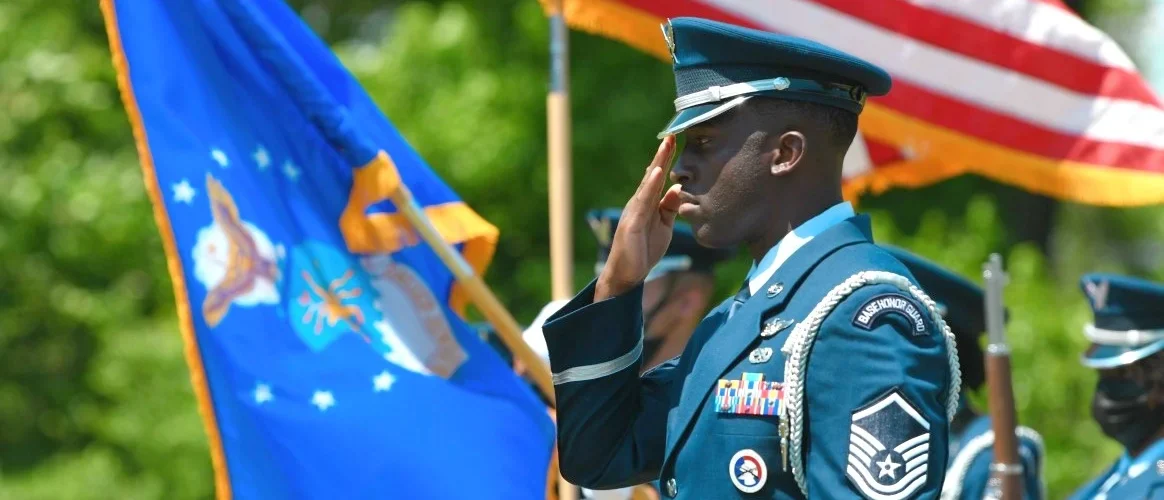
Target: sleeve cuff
{"x":589,"y":340}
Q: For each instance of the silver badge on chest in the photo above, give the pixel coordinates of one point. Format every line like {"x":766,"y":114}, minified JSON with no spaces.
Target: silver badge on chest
{"x":760,"y":355}
{"x":774,"y":326}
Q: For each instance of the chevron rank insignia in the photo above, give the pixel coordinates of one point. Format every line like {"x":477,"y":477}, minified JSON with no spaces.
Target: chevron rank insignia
{"x":890,"y":303}
{"x":889,"y":444}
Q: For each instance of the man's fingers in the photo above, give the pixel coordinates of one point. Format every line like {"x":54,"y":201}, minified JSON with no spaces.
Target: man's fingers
{"x":648,"y":191}
{"x":663,"y":154}
{"x":669,"y":205}
{"x":635,"y":203}
{"x":644,"y":202}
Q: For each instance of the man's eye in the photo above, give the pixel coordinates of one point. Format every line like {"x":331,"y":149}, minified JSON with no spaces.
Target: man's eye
{"x":701,"y":140}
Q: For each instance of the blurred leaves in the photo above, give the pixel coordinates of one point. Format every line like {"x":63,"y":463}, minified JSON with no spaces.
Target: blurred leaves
{"x":82,"y":261}
{"x":95,"y":399}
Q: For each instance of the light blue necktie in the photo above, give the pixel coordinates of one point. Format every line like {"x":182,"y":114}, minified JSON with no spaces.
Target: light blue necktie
{"x":739,"y":299}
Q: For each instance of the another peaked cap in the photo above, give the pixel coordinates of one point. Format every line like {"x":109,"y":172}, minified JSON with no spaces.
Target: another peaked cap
{"x":1128,"y":319}
{"x":684,"y":253}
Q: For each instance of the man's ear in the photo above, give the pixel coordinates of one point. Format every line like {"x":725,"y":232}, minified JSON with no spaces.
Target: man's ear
{"x":790,"y":148}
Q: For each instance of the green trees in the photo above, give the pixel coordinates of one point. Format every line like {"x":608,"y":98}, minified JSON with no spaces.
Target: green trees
{"x":95,"y":400}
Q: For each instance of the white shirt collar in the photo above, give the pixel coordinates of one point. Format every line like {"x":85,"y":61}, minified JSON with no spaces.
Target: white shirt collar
{"x":804,"y":233}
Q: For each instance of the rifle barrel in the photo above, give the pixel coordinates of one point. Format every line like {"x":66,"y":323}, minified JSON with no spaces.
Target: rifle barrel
{"x":1006,"y":470}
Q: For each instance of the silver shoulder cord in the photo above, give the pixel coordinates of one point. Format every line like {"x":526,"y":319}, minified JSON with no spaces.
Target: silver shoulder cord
{"x":798,"y":346}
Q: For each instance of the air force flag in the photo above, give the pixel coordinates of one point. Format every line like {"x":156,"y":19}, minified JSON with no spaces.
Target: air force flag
{"x":322,"y":335}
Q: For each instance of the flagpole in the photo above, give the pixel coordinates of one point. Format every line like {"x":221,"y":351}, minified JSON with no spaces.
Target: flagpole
{"x":560,"y":177}
{"x":479,"y":293}
{"x":560,"y":191}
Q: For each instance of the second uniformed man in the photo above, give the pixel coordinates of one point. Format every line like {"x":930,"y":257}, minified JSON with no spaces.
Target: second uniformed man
{"x":677,"y":292}
{"x":830,"y":374}
{"x":971,"y":437}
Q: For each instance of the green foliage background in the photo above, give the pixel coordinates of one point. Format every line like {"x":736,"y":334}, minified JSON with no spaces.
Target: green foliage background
{"x":95,"y":399}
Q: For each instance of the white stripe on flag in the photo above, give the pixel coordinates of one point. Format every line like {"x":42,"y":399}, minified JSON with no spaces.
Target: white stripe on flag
{"x":857,"y":159}
{"x":1038,"y":23}
{"x":967,"y":79}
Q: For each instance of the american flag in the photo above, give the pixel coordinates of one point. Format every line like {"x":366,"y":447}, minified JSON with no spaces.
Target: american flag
{"x":1021,"y":91}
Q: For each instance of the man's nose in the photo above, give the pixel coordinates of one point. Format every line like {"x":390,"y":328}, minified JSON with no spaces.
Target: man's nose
{"x":682,"y":173}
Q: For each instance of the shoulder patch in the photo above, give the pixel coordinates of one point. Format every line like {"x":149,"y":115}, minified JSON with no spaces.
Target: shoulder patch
{"x":889,"y":445}
{"x":888,"y":303}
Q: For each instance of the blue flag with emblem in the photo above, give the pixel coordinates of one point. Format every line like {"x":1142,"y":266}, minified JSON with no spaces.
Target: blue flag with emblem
{"x":323,"y":336}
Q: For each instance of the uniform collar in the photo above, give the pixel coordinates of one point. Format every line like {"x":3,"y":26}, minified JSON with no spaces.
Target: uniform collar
{"x":1129,"y":468}
{"x":797,"y":238}
{"x":1133,"y":467}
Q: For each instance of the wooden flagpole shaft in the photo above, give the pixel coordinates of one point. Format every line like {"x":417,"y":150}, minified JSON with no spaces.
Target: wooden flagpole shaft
{"x":560,"y":190}
{"x":507,"y":327}
{"x":561,"y":230}
{"x":560,"y":176}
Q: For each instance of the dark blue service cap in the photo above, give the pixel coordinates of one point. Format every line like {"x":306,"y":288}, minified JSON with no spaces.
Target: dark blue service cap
{"x":718,"y":66}
{"x":1128,"y":319}
{"x":961,"y":304}
{"x":684,"y":254}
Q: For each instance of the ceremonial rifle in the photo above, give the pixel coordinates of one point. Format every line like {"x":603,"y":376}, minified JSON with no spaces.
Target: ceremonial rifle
{"x":1006,"y":480}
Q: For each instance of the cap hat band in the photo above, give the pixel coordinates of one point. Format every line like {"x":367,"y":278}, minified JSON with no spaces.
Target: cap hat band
{"x":717,"y":93}
{"x":1123,"y":338}
{"x":675,"y":128}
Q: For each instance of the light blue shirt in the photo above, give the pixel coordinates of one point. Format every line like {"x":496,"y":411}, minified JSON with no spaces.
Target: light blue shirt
{"x":797,"y":238}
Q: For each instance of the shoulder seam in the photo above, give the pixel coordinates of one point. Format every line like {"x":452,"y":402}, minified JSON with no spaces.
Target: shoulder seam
{"x":798,"y":346}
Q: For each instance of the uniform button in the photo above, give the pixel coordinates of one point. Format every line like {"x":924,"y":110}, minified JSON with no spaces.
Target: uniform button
{"x":672,"y":487}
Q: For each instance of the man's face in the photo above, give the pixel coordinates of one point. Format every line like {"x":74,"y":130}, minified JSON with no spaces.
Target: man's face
{"x":1131,"y":380}
{"x":673,"y":306}
{"x":724,"y":172}
{"x":654,"y":295}
{"x":1127,"y":403}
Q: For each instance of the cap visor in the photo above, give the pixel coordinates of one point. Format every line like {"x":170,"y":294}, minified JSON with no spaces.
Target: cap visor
{"x":695,"y":115}
{"x":669,"y":265}
{"x":1109,"y":356}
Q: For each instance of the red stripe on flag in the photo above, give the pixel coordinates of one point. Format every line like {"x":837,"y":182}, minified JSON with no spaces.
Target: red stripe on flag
{"x":997,"y":48}
{"x":689,"y":8}
{"x":1017,"y":134}
{"x":960,"y":116}
{"x":881,"y":153}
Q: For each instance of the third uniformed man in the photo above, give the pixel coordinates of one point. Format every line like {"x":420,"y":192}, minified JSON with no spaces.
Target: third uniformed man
{"x":1127,"y":351}
{"x":830,"y":374}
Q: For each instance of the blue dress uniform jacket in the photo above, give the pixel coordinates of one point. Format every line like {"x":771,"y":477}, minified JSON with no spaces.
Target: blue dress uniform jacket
{"x":969,"y":469}
{"x":1129,"y":479}
{"x":876,"y":391}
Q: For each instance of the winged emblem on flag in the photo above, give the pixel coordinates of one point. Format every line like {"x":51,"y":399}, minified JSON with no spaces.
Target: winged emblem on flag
{"x":234,"y":260}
